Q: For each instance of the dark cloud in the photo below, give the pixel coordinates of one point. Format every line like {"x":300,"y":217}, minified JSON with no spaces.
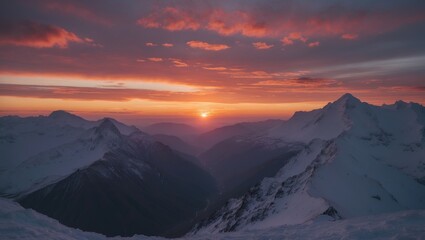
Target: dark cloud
{"x":33,"y":34}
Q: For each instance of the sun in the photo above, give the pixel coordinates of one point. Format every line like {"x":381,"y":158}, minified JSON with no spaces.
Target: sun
{"x":204,"y":114}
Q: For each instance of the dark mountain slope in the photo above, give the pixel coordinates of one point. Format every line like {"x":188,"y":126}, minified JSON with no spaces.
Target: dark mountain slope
{"x":143,"y":187}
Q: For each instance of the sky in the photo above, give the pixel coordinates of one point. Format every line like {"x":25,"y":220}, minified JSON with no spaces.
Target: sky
{"x":234,"y":59}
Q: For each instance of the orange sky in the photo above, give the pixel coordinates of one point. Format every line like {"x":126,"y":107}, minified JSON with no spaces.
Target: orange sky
{"x":234,"y":59}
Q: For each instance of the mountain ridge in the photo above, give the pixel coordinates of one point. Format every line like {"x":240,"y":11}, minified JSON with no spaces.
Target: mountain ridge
{"x":360,"y":173}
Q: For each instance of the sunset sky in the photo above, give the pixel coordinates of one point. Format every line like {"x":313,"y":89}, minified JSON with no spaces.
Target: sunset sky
{"x":238,"y":59}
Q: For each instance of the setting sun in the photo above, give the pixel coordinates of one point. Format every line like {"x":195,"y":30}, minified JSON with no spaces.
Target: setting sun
{"x":204,"y":114}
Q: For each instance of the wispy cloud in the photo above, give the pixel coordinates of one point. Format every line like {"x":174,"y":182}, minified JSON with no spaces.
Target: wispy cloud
{"x":64,"y":81}
{"x":215,"y":68}
{"x":178,"y":62}
{"x":262,"y":45}
{"x":294,"y":36}
{"x":349,"y":36}
{"x":155,"y":59}
{"x":151,"y":44}
{"x":373,"y":69}
{"x":314,"y":44}
{"x":207,"y":46}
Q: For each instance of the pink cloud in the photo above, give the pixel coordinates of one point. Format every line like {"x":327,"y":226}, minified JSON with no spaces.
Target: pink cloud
{"x":314,"y":44}
{"x":297,"y":36}
{"x":217,"y":20}
{"x":207,"y":46}
{"x":151,"y":44}
{"x":155,"y":59}
{"x":294,"y":36}
{"x":259,"y":23}
{"x":178,"y":62}
{"x":349,"y":36}
{"x":32,"y":34}
{"x":287,"y":41}
{"x":215,"y":68}
{"x":236,"y":22}
{"x":170,"y":18}
{"x":262,"y":45}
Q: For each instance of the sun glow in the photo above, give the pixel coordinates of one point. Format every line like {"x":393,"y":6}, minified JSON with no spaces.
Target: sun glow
{"x":204,"y":114}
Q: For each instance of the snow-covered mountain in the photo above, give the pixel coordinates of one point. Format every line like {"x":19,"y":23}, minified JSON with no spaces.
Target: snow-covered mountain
{"x":357,"y":160}
{"x":39,"y":150}
{"x":19,"y":223}
{"x":142,"y":186}
{"x":21,"y":138}
{"x":338,"y":166}
{"x":101,"y":176}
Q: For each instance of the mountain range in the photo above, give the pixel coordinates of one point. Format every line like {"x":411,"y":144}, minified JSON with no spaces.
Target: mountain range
{"x":348,"y":160}
{"x":101,"y":176}
{"x":357,"y":160}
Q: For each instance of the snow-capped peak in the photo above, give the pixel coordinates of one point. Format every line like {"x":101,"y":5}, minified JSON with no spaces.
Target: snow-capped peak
{"x":326,"y":123}
{"x":348,"y":97}
{"x":61,"y":117}
{"x":107,"y":128}
{"x":53,"y":163}
{"x":345,"y":102}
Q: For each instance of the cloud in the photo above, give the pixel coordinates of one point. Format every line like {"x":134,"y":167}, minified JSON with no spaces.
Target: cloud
{"x":287,"y":41}
{"x":37,"y":35}
{"x":314,"y":44}
{"x":297,"y":36}
{"x":233,"y":95}
{"x":90,"y":93}
{"x":262,"y":45}
{"x":218,"y":20}
{"x":155,"y":59}
{"x":259,"y":74}
{"x":207,"y":46}
{"x":170,"y":18}
{"x":151,"y":44}
{"x":294,"y":36}
{"x":349,"y":36}
{"x":280,"y":18}
{"x":215,"y":68}
{"x":178,"y":62}
{"x":301,"y":82}
{"x":236,"y":22}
